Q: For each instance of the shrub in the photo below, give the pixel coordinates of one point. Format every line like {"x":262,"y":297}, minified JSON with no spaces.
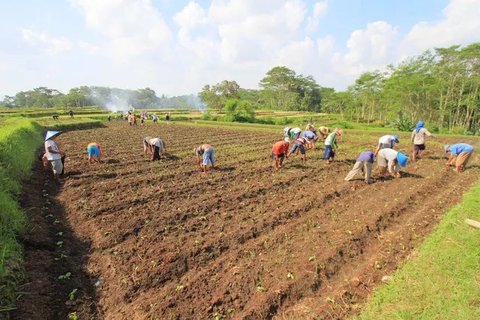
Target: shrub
{"x":239,"y":110}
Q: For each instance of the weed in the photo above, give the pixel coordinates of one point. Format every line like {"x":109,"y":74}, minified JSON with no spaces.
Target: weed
{"x":72,"y":316}
{"x":71,"y":295}
{"x":260,"y":288}
{"x":65,"y":276}
{"x":178,"y":287}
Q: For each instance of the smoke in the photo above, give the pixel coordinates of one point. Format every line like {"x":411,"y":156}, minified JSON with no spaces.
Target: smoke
{"x":111,"y":100}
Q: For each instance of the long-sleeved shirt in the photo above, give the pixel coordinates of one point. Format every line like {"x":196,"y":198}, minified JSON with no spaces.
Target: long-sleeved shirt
{"x":331,"y":140}
{"x":419,"y":138}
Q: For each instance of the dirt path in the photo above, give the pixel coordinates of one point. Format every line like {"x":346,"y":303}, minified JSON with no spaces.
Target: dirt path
{"x":56,"y":283}
{"x":243,"y":242}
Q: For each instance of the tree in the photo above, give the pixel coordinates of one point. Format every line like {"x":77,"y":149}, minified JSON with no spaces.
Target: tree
{"x":146,"y":98}
{"x":216,"y":96}
{"x":283,"y":89}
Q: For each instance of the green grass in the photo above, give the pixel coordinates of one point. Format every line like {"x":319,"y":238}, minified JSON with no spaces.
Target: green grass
{"x":19,"y":138}
{"x":443,"y":280}
{"x":65,"y":123}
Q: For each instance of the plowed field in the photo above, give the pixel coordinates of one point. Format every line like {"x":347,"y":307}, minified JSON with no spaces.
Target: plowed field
{"x":164,"y":241}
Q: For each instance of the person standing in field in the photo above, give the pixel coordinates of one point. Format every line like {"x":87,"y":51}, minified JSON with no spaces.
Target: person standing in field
{"x":53,"y":154}
{"x":207,"y":153}
{"x":386,"y":141}
{"x":418,"y":138}
{"x":460,"y":153}
{"x":364,"y":163}
{"x":279,"y":152}
{"x":156,"y":146}
{"x":155,"y":118}
{"x":167,"y":118}
{"x":299,"y":144}
{"x":331,"y":145}
{"x":391,"y":160}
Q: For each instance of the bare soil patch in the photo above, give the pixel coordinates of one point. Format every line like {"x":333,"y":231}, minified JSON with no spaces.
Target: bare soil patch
{"x":162,"y":241}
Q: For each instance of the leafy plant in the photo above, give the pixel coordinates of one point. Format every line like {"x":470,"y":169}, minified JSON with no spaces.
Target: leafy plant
{"x":65,"y":276}
{"x":71,"y":295}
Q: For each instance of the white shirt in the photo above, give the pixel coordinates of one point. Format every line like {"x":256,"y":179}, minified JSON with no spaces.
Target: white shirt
{"x":388,"y":154}
{"x":296,"y":130}
{"x":386,"y":139}
{"x":156,"y":142}
{"x":52,"y":156}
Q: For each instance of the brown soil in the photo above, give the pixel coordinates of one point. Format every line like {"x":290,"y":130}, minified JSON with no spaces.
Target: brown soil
{"x":160,"y":240}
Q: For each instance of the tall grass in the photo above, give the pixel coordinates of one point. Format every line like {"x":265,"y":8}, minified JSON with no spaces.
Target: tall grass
{"x":443,"y":280}
{"x":19,"y":138}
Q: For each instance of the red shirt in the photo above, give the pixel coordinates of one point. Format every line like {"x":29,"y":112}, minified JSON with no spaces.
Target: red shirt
{"x":279,"y":147}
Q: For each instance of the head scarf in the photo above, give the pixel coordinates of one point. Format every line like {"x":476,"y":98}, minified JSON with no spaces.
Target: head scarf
{"x":419,"y":126}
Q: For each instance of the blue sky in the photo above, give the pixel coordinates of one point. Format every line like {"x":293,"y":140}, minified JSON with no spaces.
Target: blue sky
{"x":176,"y":47}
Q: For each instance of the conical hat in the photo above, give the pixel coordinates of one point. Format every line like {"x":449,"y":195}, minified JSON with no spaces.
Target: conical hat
{"x":51,"y":134}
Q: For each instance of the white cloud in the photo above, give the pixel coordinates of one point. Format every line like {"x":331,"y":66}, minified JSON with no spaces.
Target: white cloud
{"x":191,"y":16}
{"x":460,"y":25}
{"x":48,"y":44}
{"x":319,"y":9}
{"x":372,"y":47}
{"x":132,"y":27}
{"x":88,"y":48}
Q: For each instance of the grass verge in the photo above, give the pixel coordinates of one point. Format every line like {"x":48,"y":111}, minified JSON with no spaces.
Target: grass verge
{"x":442,"y":281}
{"x":19,"y":138}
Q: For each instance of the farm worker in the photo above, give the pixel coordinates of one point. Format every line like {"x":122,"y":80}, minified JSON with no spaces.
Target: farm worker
{"x":53,"y":154}
{"x":208,"y":156}
{"x":386,"y":141}
{"x":295,"y":133}
{"x":364,"y":163}
{"x":94,"y":152}
{"x":418,"y":139}
{"x":391,"y":159}
{"x":460,"y":153}
{"x":311,"y":137}
{"x":286,"y":132}
{"x":300,"y":145}
{"x":167,"y":118}
{"x":324,"y":131}
{"x":310,"y":127}
{"x":155,"y":145}
{"x":154,"y":118}
{"x":279,"y":152}
{"x":331,"y":145}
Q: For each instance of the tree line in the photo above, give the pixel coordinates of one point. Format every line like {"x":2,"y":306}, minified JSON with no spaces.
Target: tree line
{"x":440,"y":86}
{"x":43,"y":97}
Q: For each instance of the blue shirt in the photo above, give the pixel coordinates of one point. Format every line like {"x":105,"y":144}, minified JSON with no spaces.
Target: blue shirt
{"x":460,"y":148}
{"x":366,"y":156}
{"x":309,"y":135}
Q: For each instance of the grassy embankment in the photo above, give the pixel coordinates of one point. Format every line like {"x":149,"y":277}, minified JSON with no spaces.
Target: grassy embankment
{"x":442,"y":280}
{"x":19,"y":138}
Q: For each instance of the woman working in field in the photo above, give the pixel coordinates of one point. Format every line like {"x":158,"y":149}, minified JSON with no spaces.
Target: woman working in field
{"x":155,"y":145}
{"x":53,"y":154}
{"x":279,"y":152}
{"x":460,"y":153}
{"x":94,"y":152}
{"x":208,"y":157}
